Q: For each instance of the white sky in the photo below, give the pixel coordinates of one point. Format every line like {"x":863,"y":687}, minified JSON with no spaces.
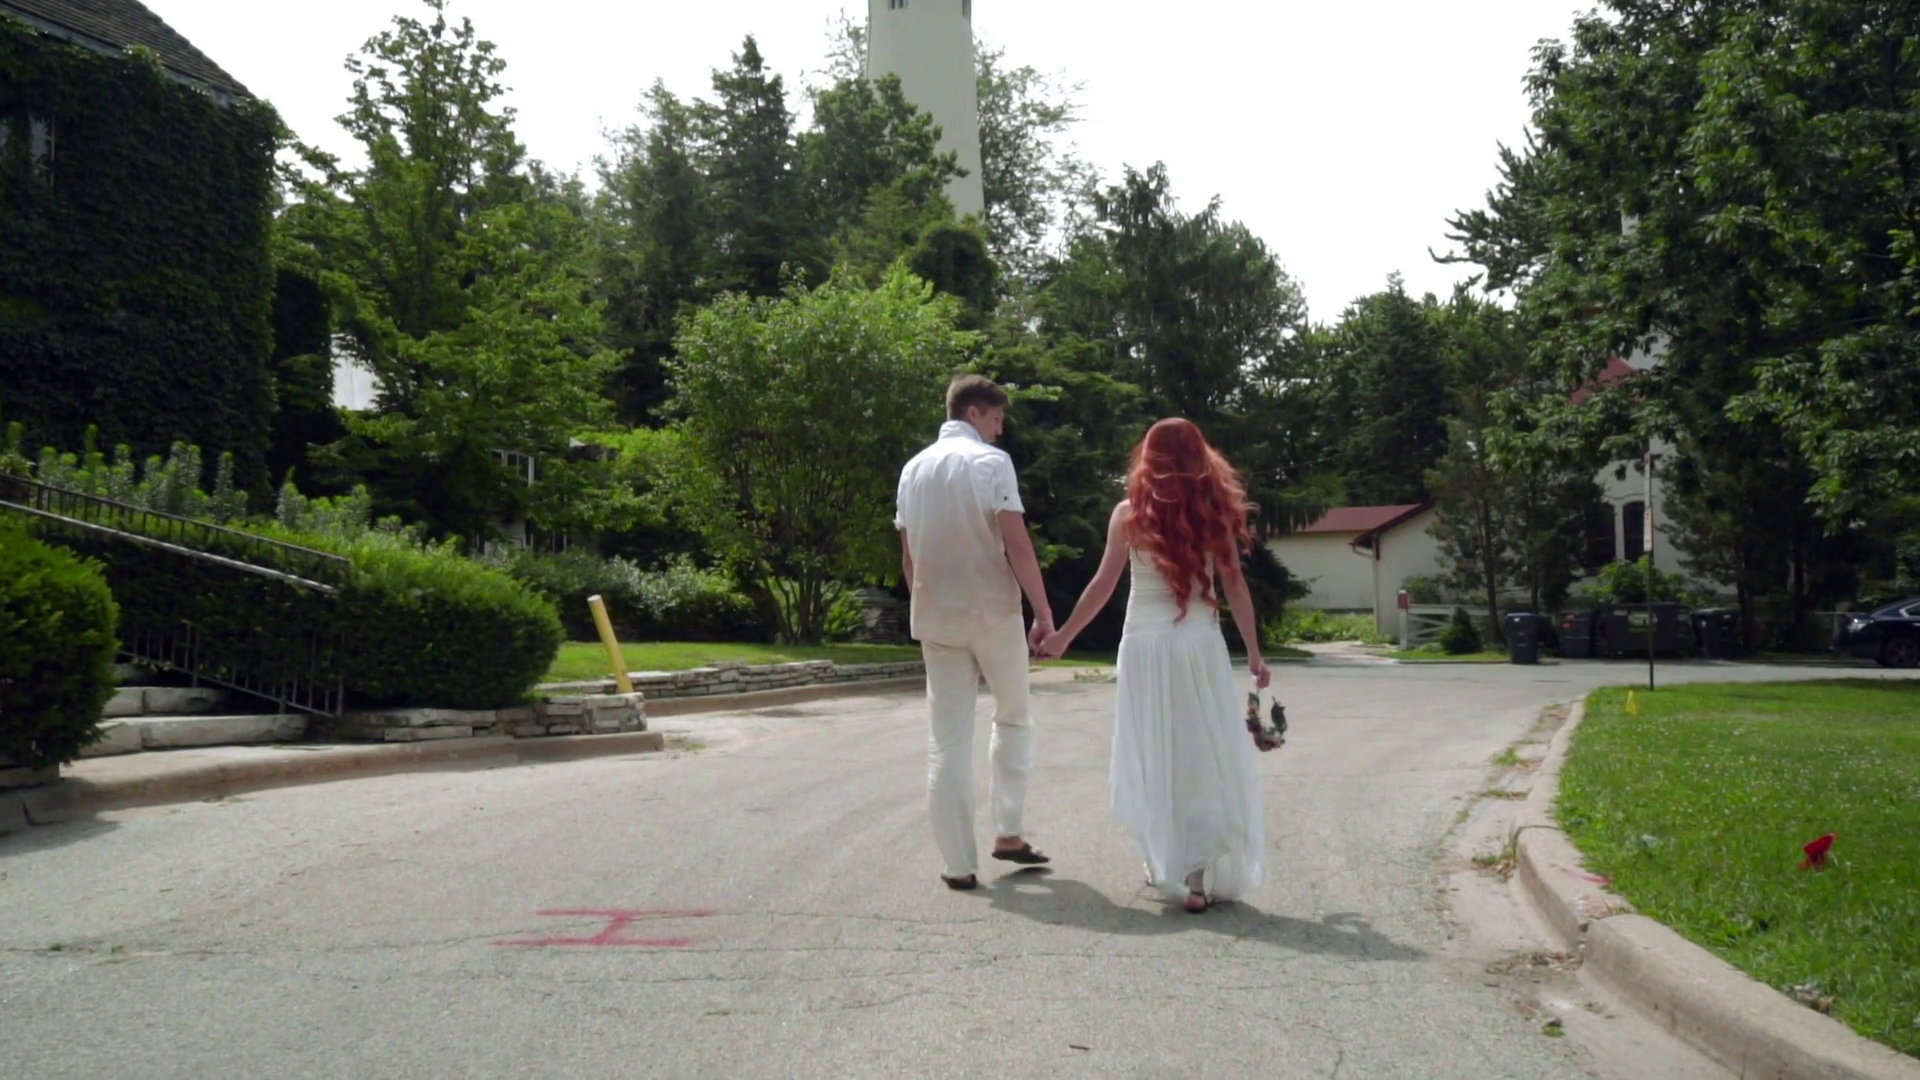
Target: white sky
{"x":1343,"y":132}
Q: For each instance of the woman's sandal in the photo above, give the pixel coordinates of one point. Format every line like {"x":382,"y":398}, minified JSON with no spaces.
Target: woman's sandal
{"x":1197,"y":902}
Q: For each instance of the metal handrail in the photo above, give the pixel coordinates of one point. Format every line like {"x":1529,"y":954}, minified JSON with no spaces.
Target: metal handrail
{"x":167,"y":530}
{"x":173,"y":638}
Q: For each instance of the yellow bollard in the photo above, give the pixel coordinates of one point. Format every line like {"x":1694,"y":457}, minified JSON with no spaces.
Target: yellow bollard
{"x":612,"y":643}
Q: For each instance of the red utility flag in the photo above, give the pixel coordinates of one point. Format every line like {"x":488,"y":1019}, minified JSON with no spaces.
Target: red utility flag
{"x":1817,"y":853}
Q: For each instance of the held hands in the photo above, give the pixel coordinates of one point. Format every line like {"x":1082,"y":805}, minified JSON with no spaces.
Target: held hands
{"x":1042,"y":629}
{"x":1257,"y":667}
{"x":1055,"y":645}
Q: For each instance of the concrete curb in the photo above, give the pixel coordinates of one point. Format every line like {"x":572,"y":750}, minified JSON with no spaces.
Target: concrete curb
{"x":209,"y":775}
{"x":1746,"y":1026}
{"x":769,"y":699}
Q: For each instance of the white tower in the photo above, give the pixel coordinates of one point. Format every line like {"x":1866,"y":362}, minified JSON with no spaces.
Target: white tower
{"x":929,"y":44}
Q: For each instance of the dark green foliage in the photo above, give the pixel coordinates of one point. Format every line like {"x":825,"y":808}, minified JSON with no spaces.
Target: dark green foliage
{"x":135,"y":279}
{"x":1460,"y":636}
{"x":304,"y":414}
{"x":679,"y":603}
{"x":430,"y":628}
{"x":56,"y":651}
{"x":955,"y":260}
{"x":1389,"y":348}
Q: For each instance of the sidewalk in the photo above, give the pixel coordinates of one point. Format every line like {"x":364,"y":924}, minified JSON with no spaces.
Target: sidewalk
{"x":152,"y":779}
{"x":1746,"y":1026}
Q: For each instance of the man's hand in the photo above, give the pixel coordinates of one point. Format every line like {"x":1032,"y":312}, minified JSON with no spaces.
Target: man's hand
{"x":1042,"y":629}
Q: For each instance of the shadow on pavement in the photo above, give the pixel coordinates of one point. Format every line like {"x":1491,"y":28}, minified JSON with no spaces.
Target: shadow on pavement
{"x":1056,"y":901}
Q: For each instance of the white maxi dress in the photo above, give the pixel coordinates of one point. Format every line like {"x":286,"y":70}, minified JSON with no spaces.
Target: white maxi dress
{"x":1184,"y":783}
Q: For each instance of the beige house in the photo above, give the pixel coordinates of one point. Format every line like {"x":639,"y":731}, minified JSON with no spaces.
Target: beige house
{"x":1356,"y":558}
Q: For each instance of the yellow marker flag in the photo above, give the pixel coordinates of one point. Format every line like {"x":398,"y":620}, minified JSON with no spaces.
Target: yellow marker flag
{"x":1633,"y":706}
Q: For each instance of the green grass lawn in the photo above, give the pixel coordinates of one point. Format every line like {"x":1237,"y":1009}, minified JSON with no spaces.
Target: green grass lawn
{"x":580,"y":661}
{"x":1698,"y":807}
{"x":1434,"y":654}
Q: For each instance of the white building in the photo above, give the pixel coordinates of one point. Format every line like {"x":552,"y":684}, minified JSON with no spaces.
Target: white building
{"x":1357,"y":558}
{"x":929,"y":45}
{"x":1624,"y":484}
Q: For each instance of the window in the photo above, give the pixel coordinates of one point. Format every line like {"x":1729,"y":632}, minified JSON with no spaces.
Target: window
{"x":1601,"y":549}
{"x":896,"y":5}
{"x":40,"y":146}
{"x":1633,"y":527}
{"x":966,"y":10}
{"x":27,"y":141}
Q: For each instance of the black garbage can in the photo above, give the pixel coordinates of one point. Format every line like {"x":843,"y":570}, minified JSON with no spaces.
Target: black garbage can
{"x":1523,"y":637}
{"x":1717,"y":632}
{"x":1623,"y":630}
{"x":1576,"y":634}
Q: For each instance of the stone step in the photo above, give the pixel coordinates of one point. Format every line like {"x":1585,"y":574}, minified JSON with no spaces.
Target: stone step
{"x":134,"y":701}
{"x":178,"y":732}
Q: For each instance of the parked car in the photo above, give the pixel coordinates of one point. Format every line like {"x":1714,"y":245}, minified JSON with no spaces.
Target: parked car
{"x":1890,"y":635}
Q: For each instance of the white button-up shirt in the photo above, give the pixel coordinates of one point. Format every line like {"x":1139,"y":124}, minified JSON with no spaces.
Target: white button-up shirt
{"x":951,"y":495}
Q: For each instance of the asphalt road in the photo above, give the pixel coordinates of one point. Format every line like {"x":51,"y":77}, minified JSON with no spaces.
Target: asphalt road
{"x":792,"y":923}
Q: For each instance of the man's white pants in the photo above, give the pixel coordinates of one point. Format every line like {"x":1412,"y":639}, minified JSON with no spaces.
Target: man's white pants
{"x":954,"y":671}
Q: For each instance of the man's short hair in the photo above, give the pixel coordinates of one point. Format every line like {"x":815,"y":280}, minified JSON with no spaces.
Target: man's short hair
{"x":973,"y":392}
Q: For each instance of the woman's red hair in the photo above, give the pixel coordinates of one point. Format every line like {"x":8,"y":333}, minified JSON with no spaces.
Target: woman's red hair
{"x":1188,"y":505}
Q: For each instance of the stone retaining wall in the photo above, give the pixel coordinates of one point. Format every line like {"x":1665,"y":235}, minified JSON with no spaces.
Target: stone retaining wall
{"x":554,"y":714}
{"x":733,"y":677}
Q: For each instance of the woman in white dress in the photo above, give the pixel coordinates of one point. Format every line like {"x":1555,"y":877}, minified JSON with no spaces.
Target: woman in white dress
{"x":1184,"y":783}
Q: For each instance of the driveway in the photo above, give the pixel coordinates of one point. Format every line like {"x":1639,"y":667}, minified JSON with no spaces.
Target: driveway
{"x":763,"y":901}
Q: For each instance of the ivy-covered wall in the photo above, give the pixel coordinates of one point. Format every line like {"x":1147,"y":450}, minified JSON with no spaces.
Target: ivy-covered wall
{"x":136,"y":285}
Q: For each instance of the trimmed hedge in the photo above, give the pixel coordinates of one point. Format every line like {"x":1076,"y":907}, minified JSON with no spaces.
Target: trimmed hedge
{"x":432,"y":628}
{"x":57,"y":649}
{"x":679,"y":603}
{"x":408,"y":627}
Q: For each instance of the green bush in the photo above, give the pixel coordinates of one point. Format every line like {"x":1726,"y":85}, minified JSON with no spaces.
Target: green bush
{"x":678,"y":603}
{"x":57,"y":649}
{"x":408,"y":626}
{"x":1310,"y":626}
{"x":428,"y":627}
{"x":1461,"y":636}
{"x":1626,"y":583}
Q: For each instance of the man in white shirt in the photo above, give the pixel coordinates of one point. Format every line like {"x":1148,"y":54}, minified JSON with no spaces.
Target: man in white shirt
{"x":967,"y":557}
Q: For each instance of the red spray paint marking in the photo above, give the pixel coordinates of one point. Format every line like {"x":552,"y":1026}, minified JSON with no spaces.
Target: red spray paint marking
{"x":618,"y":920}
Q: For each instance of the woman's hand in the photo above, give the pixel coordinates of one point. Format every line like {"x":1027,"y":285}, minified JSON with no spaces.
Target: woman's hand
{"x":1055,"y":645}
{"x":1257,"y":667}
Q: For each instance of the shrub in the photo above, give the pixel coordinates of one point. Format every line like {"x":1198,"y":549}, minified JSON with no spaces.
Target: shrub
{"x":1461,"y":636}
{"x":1426,"y":589}
{"x":1626,"y":583}
{"x":678,"y":603}
{"x":57,"y":649}
{"x":1311,"y":626}
{"x":408,"y":626}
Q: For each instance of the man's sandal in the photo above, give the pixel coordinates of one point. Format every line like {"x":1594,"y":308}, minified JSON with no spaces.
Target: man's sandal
{"x":1025,"y":855}
{"x":961,"y":884}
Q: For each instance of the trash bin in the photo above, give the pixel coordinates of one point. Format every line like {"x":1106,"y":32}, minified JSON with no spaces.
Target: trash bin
{"x":1523,"y":637}
{"x":1576,"y":634}
{"x":1717,"y":632}
{"x":1622,"y":630}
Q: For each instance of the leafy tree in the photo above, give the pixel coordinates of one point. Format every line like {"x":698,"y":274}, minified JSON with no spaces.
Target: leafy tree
{"x":1030,"y":180}
{"x":868,"y":138}
{"x":302,"y":362}
{"x":795,"y":415}
{"x":654,"y":241}
{"x":762,"y":230}
{"x":458,"y":278}
{"x":1727,"y":183}
{"x":1392,"y":381}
